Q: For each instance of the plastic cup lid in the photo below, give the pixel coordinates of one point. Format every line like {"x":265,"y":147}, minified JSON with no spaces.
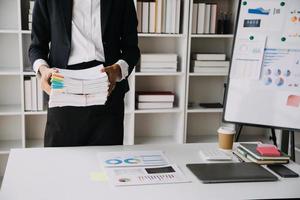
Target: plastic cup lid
{"x":226,"y":130}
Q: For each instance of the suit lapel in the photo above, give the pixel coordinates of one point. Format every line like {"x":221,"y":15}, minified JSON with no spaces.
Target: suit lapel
{"x":66,"y":7}
{"x":105,"y":12}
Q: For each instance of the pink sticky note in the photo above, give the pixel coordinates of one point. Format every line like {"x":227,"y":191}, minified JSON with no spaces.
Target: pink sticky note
{"x":293,"y":100}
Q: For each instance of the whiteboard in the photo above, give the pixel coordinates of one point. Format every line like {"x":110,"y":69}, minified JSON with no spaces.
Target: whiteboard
{"x":264,"y":78}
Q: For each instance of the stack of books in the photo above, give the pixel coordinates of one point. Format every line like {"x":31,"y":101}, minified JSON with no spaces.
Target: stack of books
{"x":155,"y":100}
{"x":33,"y":94}
{"x":250,"y":152}
{"x":204,"y":18}
{"x":159,"y":16}
{"x":209,"y":63}
{"x":158,"y":63}
{"x":31,"y":5}
{"x":78,"y":88}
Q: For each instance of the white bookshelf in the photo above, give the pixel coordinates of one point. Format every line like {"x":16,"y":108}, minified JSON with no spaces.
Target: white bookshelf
{"x":208,"y":86}
{"x":24,"y":129}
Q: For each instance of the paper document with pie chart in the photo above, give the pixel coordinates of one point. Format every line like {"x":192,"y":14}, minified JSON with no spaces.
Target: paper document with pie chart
{"x":132,"y":158}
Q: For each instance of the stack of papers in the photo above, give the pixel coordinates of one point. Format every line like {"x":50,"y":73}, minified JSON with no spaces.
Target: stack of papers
{"x":79,"y":87}
{"x":158,"y":63}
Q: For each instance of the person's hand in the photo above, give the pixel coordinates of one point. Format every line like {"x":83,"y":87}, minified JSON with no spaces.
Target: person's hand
{"x":114,"y":73}
{"x":45,"y":76}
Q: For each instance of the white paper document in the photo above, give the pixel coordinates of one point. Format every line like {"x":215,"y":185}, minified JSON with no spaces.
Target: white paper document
{"x":129,"y":176}
{"x":132,"y":158}
{"x":248,"y":58}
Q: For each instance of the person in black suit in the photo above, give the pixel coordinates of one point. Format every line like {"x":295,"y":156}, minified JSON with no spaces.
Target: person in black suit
{"x":76,"y":34}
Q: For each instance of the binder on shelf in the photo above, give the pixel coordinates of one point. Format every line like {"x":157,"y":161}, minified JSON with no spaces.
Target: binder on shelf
{"x":201,"y":18}
{"x":158,"y":16}
{"x":139,"y":15}
{"x":145,"y":23}
{"x":207,"y":19}
{"x":34,"y":106}
{"x":213,"y":18}
{"x":164,"y":16}
{"x":169,"y":16}
{"x":177,"y":16}
{"x":40,"y":96}
{"x":173,"y":16}
{"x":27,"y":94}
{"x":152,"y":17}
{"x":194,"y":18}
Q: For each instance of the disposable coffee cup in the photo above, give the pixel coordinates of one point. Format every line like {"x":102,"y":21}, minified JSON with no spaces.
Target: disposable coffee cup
{"x":226,"y":136}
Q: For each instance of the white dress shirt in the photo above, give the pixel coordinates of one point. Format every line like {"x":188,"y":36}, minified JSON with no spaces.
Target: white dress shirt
{"x":86,"y":38}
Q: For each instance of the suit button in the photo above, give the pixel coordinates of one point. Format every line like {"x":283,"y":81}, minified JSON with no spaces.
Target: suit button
{"x":104,"y":43}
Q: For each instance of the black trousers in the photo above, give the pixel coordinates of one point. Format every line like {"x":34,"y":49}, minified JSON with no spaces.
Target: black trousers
{"x":86,"y":126}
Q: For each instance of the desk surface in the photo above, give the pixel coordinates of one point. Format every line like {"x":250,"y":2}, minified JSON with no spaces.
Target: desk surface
{"x":64,"y":173}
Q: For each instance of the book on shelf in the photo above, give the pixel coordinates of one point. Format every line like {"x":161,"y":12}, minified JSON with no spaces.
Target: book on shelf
{"x":168,"y":16}
{"x":177,"y":16}
{"x":152,"y":57}
{"x":152,"y":17}
{"x":164,"y":17}
{"x":194,"y":18}
{"x":145,"y":17}
{"x":154,"y":105}
{"x":159,"y":16}
{"x":159,"y":65}
{"x":33,"y":93}
{"x":155,"y":96}
{"x":204,"y":18}
{"x":209,"y":57}
{"x":154,"y":99}
{"x":40,"y":95}
{"x":211,"y":70}
{"x":199,"y":63}
{"x":139,"y":15}
{"x":27,"y":94}
{"x":207,"y":19}
{"x":213,"y":18}
{"x":201,"y":18}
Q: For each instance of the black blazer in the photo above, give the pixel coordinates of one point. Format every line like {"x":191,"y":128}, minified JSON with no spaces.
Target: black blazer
{"x":52,"y":24}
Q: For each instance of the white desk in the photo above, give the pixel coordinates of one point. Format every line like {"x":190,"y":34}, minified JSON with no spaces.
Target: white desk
{"x":64,"y":174}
